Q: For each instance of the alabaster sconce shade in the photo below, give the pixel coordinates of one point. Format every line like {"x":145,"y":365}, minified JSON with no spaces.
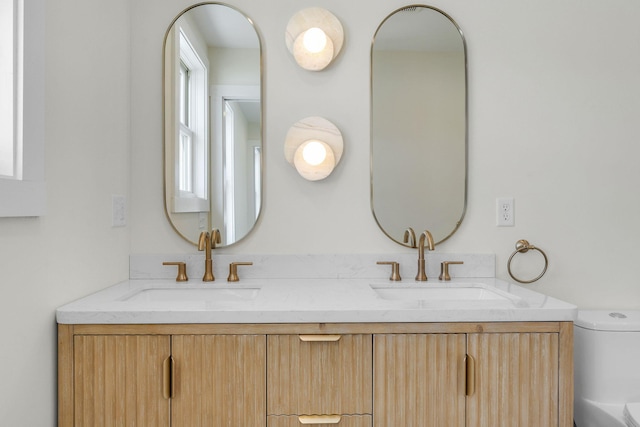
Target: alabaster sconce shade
{"x":314,"y":147}
{"x":314,"y":37}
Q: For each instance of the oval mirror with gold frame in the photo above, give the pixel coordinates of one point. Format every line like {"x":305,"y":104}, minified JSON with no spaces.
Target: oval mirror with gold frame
{"x":213,"y":123}
{"x":418,"y":124}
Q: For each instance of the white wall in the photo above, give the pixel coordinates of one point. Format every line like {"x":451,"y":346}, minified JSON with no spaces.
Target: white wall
{"x":73,"y":250}
{"x":553,"y":104}
{"x":554,"y":107}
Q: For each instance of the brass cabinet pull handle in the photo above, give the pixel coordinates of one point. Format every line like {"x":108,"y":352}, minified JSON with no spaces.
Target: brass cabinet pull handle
{"x":319,"y":338}
{"x":470,"y":368}
{"x":319,"y":419}
{"x":168,"y":377}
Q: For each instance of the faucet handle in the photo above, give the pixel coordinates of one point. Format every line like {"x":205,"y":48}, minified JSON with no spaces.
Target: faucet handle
{"x":395,"y":270}
{"x":233,"y":271}
{"x":444,"y":269}
{"x":182,"y":270}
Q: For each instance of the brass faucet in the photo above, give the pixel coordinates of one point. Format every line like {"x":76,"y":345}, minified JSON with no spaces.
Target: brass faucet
{"x":409,"y":237}
{"x":206,"y":243}
{"x":422,"y":276}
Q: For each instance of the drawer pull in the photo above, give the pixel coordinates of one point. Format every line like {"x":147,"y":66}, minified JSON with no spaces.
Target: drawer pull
{"x":319,"y":419}
{"x":470,"y":368}
{"x":320,"y":338}
{"x":168,"y":378}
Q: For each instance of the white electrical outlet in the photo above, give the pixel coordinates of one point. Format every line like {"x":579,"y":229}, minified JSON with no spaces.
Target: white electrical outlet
{"x":119,"y":211}
{"x":505,"y":213}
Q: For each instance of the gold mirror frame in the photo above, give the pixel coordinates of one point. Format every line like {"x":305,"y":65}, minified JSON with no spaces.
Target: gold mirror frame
{"x":189,"y":235}
{"x":417,"y":187}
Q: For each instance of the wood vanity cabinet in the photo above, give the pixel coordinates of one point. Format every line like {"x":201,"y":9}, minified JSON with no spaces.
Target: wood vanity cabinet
{"x":219,"y":380}
{"x":319,"y":375}
{"x":419,"y":380}
{"x":344,"y":421}
{"x":517,"y":374}
{"x":114,"y":377}
{"x":117,"y":380}
{"x":516,"y":380}
{"x":507,"y":375}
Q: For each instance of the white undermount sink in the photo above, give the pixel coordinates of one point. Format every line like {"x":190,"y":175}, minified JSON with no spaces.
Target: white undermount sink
{"x":193,"y":294}
{"x":472,"y":293}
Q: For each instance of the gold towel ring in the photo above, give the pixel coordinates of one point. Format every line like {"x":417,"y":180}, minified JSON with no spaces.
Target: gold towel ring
{"x":524,"y":246}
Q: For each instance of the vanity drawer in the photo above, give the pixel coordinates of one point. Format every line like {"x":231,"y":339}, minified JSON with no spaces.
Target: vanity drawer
{"x":342,"y":421}
{"x":319,"y":374}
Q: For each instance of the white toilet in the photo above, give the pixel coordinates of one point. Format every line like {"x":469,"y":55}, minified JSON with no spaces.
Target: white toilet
{"x":607,"y":368}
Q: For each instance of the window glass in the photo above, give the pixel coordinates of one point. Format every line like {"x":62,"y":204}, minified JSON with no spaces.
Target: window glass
{"x":184,"y":94}
{"x":7,"y":100}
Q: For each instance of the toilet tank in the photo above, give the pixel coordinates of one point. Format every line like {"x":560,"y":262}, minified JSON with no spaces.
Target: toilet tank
{"x":607,"y":356}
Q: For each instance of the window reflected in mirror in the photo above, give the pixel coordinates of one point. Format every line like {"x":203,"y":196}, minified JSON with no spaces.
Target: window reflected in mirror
{"x":212,"y":123}
{"x":191,"y":159}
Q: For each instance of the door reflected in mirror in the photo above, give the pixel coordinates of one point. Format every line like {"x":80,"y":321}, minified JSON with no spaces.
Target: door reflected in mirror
{"x":212,"y":123}
{"x":419,"y":124}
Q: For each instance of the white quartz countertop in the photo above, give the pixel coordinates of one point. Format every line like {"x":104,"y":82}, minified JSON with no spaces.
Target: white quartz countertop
{"x":290,"y":300}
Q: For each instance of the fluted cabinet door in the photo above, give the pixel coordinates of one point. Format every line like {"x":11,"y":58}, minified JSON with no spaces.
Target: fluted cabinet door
{"x":118,"y":380}
{"x":516,"y":380}
{"x":419,"y":380}
{"x":219,"y":381}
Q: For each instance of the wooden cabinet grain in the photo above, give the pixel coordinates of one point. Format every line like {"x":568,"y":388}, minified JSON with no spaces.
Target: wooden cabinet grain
{"x":319,"y":374}
{"x":219,"y":380}
{"x":375,"y":374}
{"x":418,"y":380}
{"x":500,"y":377}
{"x":344,"y":421}
{"x":118,"y":380}
{"x":516,"y":380}
{"x":161,"y":380}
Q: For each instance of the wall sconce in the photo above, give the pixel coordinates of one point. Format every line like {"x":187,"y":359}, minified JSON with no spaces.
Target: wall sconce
{"x":314,"y":147}
{"x":314,"y":37}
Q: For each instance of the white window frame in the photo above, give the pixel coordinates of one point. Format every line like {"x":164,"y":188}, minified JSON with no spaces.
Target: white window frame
{"x":195,"y":198}
{"x":257,"y":180}
{"x":185,"y":156}
{"x":229,"y":172}
{"x":24,"y":194}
